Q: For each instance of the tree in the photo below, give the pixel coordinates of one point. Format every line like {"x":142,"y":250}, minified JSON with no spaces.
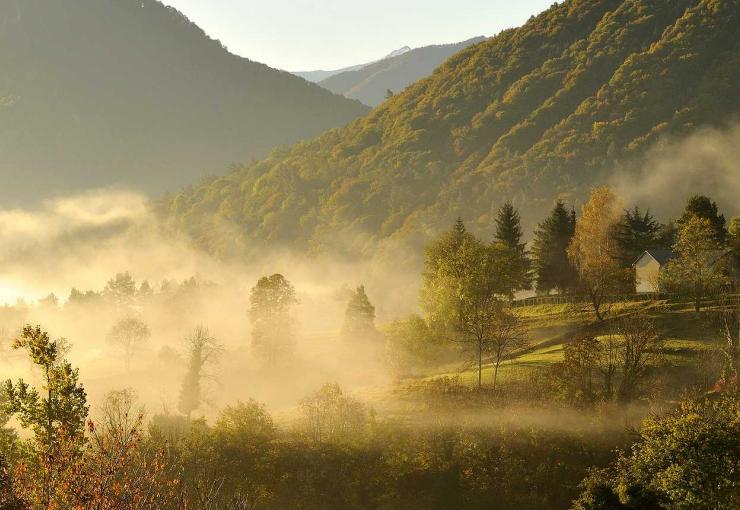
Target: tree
{"x":700,"y":206}
{"x":128,"y":334}
{"x":55,"y":413}
{"x":509,"y":236}
{"x":552,"y":267}
{"x":121,"y":291}
{"x":271,"y":301}
{"x":410,"y":343}
{"x":463,"y":283}
{"x":695,"y":269}
{"x":639,"y":349}
{"x":330,"y":415}
{"x":507,"y":336}
{"x":245,"y":422}
{"x":388,"y":93}
{"x":594,"y":250}
{"x":203,"y":350}
{"x":734,"y":236}
{"x":577,"y":371}
{"x":61,"y":402}
{"x":359,"y":317}
{"x":636,"y":233}
{"x":684,"y":460}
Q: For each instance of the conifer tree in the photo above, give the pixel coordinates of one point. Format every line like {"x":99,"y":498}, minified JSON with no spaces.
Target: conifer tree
{"x":509,"y":236}
{"x":359,"y":317}
{"x":552,"y":268}
{"x":637,"y":232}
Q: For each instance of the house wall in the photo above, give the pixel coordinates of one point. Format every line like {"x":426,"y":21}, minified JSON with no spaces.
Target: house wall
{"x":646,"y":274}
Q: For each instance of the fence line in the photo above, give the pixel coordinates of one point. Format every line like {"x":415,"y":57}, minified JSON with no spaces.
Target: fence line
{"x":615,"y":298}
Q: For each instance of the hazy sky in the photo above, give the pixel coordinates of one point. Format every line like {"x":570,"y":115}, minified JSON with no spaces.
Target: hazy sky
{"x":301,"y":35}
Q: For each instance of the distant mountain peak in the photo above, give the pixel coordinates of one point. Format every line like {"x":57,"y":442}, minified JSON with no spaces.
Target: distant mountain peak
{"x":396,"y":53}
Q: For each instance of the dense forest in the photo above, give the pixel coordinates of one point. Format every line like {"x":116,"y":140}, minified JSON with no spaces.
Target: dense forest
{"x":132,"y":93}
{"x":535,"y":113}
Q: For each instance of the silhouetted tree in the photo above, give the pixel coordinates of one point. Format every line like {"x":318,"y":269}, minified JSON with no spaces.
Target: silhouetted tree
{"x":509,"y":235}
{"x":271,"y":301}
{"x":121,"y":290}
{"x":636,"y":233}
{"x":203,"y":350}
{"x":128,"y":334}
{"x":701,"y":206}
{"x":552,"y":268}
{"x":359,"y":317}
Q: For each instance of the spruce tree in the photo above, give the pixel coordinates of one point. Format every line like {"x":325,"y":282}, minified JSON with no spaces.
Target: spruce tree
{"x":509,"y":236}
{"x":552,"y":268}
{"x":637,"y":232}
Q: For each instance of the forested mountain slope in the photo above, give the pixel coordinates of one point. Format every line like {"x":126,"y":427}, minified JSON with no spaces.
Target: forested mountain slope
{"x":370,"y":83}
{"x":99,"y":92}
{"x":537,"y":112}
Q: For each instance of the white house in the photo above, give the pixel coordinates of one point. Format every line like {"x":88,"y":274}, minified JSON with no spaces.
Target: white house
{"x":647,"y":268}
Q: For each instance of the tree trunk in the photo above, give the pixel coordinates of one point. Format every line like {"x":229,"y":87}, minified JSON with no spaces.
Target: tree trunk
{"x":495,"y":375}
{"x":480,"y":364}
{"x":697,"y":299}
{"x":597,"y":306}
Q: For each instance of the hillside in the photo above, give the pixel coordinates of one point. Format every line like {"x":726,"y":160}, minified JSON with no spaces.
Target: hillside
{"x":318,"y":75}
{"x":370,"y":83}
{"x":100,"y":92}
{"x":538,"y":112}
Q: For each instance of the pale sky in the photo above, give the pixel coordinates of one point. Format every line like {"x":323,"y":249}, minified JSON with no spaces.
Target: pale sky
{"x":305,"y":35}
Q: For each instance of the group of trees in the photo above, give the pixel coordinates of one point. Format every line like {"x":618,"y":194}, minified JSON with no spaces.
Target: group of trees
{"x":594,"y":253}
{"x":271,"y":304}
{"x":467,"y":284}
{"x":615,"y":364}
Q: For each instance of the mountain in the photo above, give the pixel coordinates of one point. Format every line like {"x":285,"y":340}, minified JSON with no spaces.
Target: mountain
{"x":317,"y":76}
{"x":129,"y":92}
{"x":370,"y":83}
{"x":539,"y":112}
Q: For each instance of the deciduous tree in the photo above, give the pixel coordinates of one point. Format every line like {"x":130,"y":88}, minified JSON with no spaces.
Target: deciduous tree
{"x":128,"y":334}
{"x":696,"y":269}
{"x":594,"y":250}
{"x":271,"y":301}
{"x":203,"y":351}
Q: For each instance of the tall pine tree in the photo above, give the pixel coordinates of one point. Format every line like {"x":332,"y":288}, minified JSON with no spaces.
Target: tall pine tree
{"x":509,"y":236}
{"x":552,"y":268}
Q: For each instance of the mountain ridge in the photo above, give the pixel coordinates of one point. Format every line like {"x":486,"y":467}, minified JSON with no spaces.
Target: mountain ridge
{"x":130,"y":92}
{"x":539,"y":112}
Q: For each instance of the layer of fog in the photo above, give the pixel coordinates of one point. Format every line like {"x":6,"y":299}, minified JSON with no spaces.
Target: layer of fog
{"x":706,"y":162}
{"x":84,"y":240}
